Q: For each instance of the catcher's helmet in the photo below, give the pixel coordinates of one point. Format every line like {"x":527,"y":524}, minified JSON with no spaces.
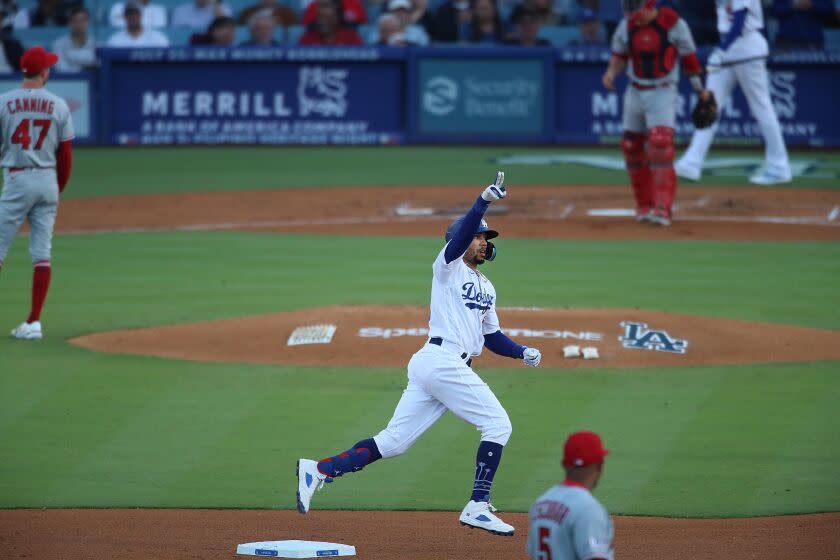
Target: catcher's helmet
{"x":490,"y":253}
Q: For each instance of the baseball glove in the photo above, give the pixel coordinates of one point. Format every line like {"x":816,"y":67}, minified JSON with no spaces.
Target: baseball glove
{"x":705,"y":112}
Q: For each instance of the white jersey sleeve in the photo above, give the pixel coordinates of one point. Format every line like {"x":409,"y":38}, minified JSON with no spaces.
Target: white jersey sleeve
{"x":490,"y":324}
{"x":593,"y":534}
{"x":33,"y":122}
{"x":442,"y":269}
{"x":680,"y":36}
{"x":621,"y":40}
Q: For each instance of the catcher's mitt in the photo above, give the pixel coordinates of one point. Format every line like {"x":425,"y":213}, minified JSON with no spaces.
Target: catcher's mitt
{"x":705,"y":112}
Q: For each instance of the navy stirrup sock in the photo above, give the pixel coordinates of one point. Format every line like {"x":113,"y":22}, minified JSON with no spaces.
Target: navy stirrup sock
{"x":354,"y":459}
{"x":486,"y":463}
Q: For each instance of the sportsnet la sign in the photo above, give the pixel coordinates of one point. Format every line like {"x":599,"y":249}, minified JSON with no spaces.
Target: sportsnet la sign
{"x":639,"y":336}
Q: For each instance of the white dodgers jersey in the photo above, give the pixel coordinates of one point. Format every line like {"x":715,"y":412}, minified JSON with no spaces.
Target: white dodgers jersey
{"x":568,"y":523}
{"x":32,"y":122}
{"x":725,"y":9}
{"x":463,"y":307}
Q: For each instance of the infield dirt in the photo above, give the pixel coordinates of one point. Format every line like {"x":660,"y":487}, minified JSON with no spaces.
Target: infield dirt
{"x":404,"y":535}
{"x":535,"y":212}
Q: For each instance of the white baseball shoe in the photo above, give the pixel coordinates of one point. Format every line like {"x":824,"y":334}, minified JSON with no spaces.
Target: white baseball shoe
{"x":480,"y":515}
{"x":686,"y":171}
{"x":765,"y":176}
{"x":28,"y":331}
{"x":660,"y":217}
{"x":309,"y":481}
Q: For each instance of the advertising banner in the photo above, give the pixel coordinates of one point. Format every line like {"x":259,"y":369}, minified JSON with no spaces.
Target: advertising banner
{"x":76,"y":91}
{"x":587,"y":113}
{"x":267,"y":97}
{"x":468,"y":96}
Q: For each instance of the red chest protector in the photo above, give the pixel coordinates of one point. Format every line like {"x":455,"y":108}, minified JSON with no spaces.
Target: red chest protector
{"x":652,"y":54}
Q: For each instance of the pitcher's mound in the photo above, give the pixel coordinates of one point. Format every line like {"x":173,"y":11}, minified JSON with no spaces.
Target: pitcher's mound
{"x":388,"y":335}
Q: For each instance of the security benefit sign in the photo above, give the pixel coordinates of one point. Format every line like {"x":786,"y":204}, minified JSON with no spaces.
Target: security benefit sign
{"x":474,"y":96}
{"x":257,"y":103}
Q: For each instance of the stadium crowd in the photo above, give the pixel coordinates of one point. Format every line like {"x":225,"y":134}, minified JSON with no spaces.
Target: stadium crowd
{"x":795,"y":24}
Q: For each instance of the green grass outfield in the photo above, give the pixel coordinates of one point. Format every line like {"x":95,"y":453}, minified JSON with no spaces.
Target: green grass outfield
{"x":86,"y":429}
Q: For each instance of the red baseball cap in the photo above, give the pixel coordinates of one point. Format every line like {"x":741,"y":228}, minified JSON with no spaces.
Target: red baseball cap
{"x":583,"y":448}
{"x":36,"y":59}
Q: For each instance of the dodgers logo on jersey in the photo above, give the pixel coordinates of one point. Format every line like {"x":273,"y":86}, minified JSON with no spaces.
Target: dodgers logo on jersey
{"x":474,"y":298}
{"x":637,"y":335}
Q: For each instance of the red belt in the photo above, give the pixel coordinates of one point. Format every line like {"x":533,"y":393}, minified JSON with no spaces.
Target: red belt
{"x":643,"y":87}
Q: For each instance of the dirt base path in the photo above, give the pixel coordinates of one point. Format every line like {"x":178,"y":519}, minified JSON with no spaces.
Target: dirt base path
{"x":214,"y":534}
{"x":389,"y":335}
{"x":560,"y":212}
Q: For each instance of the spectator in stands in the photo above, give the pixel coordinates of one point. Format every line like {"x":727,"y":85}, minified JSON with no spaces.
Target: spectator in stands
{"x":389,"y":28}
{"x":611,"y":13}
{"x":12,"y":48}
{"x":154,"y":15}
{"x":329,"y":28}
{"x":702,"y":19}
{"x":485,"y":26}
{"x":261,"y":27}
{"x":526,"y":30}
{"x":800,"y":22}
{"x":46,"y":13}
{"x":77,"y":50}
{"x":413,"y":33}
{"x":590,"y":32}
{"x":447,"y":21}
{"x":134,"y":34}
{"x":283,"y":15}
{"x":199,"y":14}
{"x":220,"y":33}
{"x":353,"y":12}
{"x":544,"y":10}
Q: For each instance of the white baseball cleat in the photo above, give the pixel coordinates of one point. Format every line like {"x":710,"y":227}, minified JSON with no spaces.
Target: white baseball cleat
{"x":687,"y":171}
{"x":766,"y":176}
{"x":480,"y":515}
{"x":309,"y":481}
{"x":28,"y":331}
{"x":660,"y":218}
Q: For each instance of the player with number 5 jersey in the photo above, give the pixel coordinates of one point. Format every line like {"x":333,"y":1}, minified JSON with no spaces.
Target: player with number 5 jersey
{"x":36,"y":133}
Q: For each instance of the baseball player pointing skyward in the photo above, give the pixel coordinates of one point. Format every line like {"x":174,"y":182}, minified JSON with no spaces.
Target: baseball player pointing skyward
{"x":36,"y":133}
{"x":462,"y":321}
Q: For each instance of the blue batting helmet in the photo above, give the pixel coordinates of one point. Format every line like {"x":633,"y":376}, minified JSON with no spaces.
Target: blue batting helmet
{"x":482,"y":228}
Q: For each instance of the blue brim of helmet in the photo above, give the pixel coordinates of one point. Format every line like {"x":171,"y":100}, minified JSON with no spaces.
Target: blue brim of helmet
{"x":490,"y":234}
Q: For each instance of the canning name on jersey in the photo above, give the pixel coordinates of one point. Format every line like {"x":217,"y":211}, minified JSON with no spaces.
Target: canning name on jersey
{"x":578,"y":526}
{"x":750,"y":43}
{"x":679,"y":36}
{"x":33,"y":122}
{"x":463,"y":307}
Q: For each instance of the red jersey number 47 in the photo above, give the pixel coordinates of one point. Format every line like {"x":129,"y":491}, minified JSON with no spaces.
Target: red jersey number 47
{"x":22,"y":137}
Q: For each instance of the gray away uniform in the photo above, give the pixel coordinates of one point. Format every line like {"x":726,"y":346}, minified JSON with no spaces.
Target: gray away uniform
{"x":568,"y":523}
{"x":32,"y":124}
{"x":656,"y":104}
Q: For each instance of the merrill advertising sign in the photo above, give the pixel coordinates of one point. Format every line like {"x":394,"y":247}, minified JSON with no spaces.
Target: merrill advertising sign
{"x":257,"y":103}
{"x":588,"y":113}
{"x":474,"y":96}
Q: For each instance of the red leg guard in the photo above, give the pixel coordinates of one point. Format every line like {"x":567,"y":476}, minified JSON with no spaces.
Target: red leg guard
{"x":638,"y":168}
{"x":663,"y":176}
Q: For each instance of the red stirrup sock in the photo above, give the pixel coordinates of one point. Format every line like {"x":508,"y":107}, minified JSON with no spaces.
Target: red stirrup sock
{"x":40,"y":286}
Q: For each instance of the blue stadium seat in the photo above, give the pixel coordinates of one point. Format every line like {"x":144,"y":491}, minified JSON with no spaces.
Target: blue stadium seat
{"x":558,"y":35}
{"x":832,"y":38}
{"x":294,"y":34}
{"x":43,"y":36}
{"x":178,"y":36}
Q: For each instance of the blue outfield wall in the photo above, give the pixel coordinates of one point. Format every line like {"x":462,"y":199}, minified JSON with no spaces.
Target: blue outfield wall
{"x":371,"y":95}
